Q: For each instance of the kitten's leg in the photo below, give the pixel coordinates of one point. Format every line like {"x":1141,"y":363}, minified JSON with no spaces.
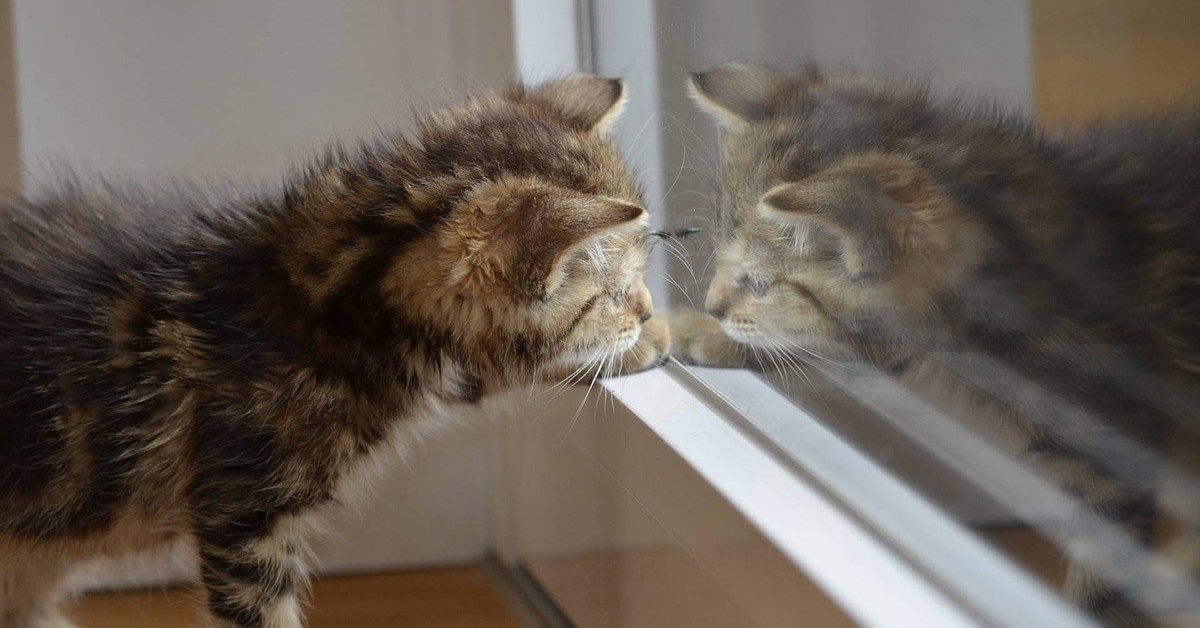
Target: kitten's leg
{"x":1006,"y":424}
{"x":1109,"y":499}
{"x":252,"y":570}
{"x":31,"y":592}
{"x":1181,"y":546}
{"x":1103,"y":498}
{"x":697,"y":338}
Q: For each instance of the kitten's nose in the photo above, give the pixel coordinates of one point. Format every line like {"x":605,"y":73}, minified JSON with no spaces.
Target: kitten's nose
{"x":642,"y":304}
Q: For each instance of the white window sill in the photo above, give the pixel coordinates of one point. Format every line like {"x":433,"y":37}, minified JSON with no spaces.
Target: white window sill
{"x":835,"y":514}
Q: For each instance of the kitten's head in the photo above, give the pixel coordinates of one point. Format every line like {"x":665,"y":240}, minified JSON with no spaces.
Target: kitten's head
{"x":523,"y":234}
{"x":833,"y":230}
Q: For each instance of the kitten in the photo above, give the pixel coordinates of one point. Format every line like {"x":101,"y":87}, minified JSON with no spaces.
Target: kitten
{"x":869,"y":219}
{"x":188,"y":366}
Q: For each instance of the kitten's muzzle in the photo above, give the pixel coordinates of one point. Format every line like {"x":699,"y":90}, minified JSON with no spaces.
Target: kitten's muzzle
{"x":722,"y":297}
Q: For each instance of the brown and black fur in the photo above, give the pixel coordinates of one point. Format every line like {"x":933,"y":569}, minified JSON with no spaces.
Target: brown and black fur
{"x":213,"y":367}
{"x":869,"y":218}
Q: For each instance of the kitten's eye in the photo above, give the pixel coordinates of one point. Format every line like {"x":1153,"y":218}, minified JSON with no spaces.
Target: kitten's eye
{"x":677,"y":234}
{"x":620,"y":296}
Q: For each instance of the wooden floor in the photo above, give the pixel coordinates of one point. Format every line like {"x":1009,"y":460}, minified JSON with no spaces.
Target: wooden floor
{"x":442,"y":598}
{"x":667,"y":588}
{"x":649,"y":587}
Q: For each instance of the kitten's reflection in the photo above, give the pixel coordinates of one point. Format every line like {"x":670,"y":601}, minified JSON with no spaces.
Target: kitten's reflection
{"x":867,"y":219}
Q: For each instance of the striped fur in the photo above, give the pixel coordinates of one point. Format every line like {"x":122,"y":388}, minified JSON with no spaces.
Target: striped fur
{"x":213,"y":366}
{"x":867,"y":218}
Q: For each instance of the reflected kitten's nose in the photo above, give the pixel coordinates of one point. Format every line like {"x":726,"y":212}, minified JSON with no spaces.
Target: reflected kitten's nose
{"x":717,"y":307}
{"x":724,"y":294}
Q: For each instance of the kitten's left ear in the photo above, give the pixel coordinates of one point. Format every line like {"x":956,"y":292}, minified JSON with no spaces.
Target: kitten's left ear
{"x":735,"y":94}
{"x":587,"y":101}
{"x":559,"y":225}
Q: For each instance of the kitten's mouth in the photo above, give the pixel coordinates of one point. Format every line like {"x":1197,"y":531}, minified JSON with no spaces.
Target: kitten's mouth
{"x":624,"y":341}
{"x":754,"y":335}
{"x":627,"y":339}
{"x":747,"y":334}
{"x":599,"y":352}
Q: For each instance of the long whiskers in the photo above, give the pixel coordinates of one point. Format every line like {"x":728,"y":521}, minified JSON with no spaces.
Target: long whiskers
{"x":709,"y":159}
{"x":562,"y":385}
{"x":673,"y":246}
{"x":598,"y":364}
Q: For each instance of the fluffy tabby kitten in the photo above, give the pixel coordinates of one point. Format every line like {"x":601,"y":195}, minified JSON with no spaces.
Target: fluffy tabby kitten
{"x":182,"y":365}
{"x":867,"y":218}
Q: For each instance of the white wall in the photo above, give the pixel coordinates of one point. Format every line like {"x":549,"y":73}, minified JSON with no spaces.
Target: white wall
{"x":543,"y":47}
{"x":223,"y":86}
{"x":233,"y":88}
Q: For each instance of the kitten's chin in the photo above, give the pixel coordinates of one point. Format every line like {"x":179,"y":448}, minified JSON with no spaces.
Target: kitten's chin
{"x":627,"y":340}
{"x":750,"y":335}
{"x":599,"y":353}
{"x":760,"y":338}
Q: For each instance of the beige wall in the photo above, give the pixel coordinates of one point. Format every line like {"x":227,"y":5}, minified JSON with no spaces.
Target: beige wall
{"x":1097,"y":57}
{"x":243,"y":89}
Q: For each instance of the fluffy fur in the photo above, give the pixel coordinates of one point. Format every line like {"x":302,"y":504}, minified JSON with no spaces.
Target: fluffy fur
{"x":867,"y":218}
{"x":213,"y":367}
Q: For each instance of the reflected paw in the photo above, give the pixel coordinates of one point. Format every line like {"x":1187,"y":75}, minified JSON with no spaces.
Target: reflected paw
{"x":697,"y":338}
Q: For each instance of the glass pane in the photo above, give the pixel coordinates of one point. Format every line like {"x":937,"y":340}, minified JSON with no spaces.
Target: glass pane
{"x":963,"y":234}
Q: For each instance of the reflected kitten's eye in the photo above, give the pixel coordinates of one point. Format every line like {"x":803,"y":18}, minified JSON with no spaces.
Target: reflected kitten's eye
{"x":754,"y":285}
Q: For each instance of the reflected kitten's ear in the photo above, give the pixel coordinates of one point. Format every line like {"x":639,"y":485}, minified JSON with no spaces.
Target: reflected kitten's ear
{"x":735,"y":94}
{"x":587,"y":101}
{"x":557,"y":226}
{"x":881,"y":207}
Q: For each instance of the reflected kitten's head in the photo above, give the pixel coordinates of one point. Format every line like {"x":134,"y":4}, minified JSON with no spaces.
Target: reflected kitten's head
{"x":833,"y":230}
{"x":510,"y":233}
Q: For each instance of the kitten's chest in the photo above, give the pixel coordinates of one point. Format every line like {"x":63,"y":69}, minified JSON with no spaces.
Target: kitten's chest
{"x":344,"y":419}
{"x":436,"y":415}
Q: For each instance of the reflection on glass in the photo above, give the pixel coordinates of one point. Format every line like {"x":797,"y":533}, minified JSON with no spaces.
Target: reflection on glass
{"x":963,"y":276}
{"x":1045,"y":287}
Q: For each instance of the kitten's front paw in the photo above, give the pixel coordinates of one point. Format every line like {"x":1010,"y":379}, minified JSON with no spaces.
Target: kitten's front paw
{"x":697,"y":338}
{"x":652,"y":348}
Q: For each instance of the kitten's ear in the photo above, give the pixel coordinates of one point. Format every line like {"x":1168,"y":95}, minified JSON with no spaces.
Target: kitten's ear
{"x":588,"y":102}
{"x":879,"y":206}
{"x":736,"y":94}
{"x":558,"y":226}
